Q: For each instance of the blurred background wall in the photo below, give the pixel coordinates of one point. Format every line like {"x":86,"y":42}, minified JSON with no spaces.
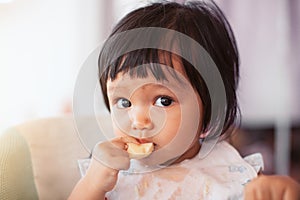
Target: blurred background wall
{"x":268,"y":36}
{"x":43,"y":44}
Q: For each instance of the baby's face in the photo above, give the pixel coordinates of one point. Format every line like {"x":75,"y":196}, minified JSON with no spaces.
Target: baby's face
{"x":166,"y":113}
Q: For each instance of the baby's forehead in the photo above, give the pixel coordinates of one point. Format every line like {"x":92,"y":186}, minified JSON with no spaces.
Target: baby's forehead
{"x":129,"y":81}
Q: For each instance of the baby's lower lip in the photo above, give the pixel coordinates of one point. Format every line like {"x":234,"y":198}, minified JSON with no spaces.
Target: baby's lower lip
{"x":142,"y":141}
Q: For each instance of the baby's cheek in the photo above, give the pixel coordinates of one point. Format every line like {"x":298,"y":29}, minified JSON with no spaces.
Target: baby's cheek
{"x":117,"y":131}
{"x":119,"y":134}
{"x":168,"y":133}
{"x":121,"y":122}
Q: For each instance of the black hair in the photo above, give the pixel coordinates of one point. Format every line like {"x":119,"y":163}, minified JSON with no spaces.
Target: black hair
{"x":202,"y":21}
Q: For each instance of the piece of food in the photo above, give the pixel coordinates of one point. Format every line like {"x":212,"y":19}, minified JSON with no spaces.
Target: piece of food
{"x":138,"y":151}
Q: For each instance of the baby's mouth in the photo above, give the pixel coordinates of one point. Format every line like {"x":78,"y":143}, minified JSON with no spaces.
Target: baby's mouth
{"x":139,"y":151}
{"x":145,"y":141}
{"x":142,"y":141}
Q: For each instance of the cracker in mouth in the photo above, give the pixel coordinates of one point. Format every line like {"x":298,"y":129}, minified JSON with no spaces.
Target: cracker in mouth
{"x":139,"y":151}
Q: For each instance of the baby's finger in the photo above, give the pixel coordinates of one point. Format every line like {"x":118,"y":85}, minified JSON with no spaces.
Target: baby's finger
{"x":249,"y":193}
{"x":292,"y":192}
{"x":121,"y":142}
{"x":111,"y":156}
{"x":262,"y":194}
{"x":256,"y":191}
{"x":291,"y":195}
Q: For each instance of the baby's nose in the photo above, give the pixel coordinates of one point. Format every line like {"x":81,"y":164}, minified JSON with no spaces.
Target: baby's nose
{"x":140,"y":119}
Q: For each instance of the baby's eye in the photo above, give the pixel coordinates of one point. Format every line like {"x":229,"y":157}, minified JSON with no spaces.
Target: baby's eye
{"x":163,"y":101}
{"x":123,"y":103}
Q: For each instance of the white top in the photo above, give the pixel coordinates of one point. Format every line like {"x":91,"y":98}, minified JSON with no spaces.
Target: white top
{"x":220,"y":175}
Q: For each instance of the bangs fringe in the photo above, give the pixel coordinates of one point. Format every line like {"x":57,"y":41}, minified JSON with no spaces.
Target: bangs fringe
{"x":140,"y":62}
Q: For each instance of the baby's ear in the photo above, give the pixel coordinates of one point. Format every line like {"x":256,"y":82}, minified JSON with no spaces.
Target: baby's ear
{"x":203,"y":135}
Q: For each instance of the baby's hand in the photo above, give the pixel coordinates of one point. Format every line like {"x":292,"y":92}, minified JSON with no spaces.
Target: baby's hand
{"x":272,"y":188}
{"x":108,"y":158}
